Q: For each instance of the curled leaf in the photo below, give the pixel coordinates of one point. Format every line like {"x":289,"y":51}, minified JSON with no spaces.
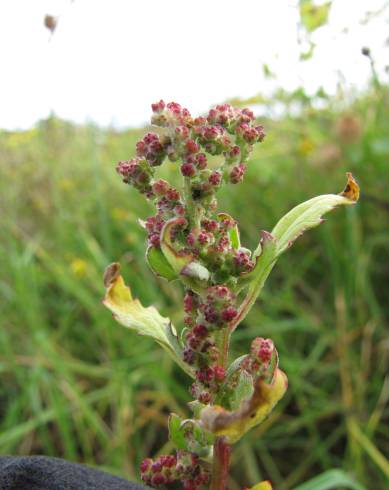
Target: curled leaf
{"x":233,"y":233}
{"x":351,"y":191}
{"x":234,"y":424}
{"x":144,"y":321}
{"x":177,"y":259}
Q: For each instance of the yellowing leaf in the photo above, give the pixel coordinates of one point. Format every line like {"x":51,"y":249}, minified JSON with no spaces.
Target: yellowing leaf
{"x":263,"y":485}
{"x":234,"y":424}
{"x":144,"y":321}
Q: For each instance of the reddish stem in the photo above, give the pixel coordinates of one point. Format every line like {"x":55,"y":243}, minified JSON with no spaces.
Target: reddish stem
{"x":221,"y":462}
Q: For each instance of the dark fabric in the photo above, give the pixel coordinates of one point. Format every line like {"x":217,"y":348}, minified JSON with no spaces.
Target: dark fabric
{"x":42,"y":473}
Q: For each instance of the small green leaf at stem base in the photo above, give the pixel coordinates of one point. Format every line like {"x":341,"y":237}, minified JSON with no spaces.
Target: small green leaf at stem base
{"x":159,"y":265}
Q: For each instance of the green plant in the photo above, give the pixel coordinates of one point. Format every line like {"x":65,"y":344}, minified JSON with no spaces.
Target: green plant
{"x":191,"y":242}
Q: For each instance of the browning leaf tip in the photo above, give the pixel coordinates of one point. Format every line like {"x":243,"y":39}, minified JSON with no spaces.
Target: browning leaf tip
{"x":351,"y":191}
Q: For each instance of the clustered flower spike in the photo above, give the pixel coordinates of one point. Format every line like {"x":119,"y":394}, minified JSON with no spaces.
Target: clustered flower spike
{"x":185,"y":467}
{"x":209,"y":152}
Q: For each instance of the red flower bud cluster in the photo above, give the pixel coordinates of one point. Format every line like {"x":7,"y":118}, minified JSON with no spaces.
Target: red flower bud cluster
{"x":137,"y":173}
{"x":152,"y":148}
{"x":214,"y":139}
{"x":170,"y":115}
{"x":206,"y":316}
{"x":229,"y":116}
{"x":228,"y":133}
{"x":260,"y":356}
{"x":185,"y":468}
{"x":169,"y":205}
{"x":225,"y":131}
{"x":218,"y":308}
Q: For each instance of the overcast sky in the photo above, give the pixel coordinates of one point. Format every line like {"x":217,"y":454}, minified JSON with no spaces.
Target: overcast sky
{"x":109,"y":59}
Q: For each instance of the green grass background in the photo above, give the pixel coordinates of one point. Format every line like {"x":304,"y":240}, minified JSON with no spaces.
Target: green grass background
{"x":75,"y":384}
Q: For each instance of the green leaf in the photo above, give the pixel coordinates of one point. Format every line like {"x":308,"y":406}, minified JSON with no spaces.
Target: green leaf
{"x":307,"y":55}
{"x":187,"y":435}
{"x":176,"y":434}
{"x":144,"y":321}
{"x":308,"y":214}
{"x":314,"y":16}
{"x":266,"y":255}
{"x":237,"y":386}
{"x":331,"y":479}
{"x":244,"y":389}
{"x":159,"y":265}
{"x":192,"y":274}
{"x":233,"y":234}
{"x":301,"y":218}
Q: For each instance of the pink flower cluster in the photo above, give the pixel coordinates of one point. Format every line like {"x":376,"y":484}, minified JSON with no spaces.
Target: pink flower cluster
{"x":210,"y":151}
{"x":258,"y":361}
{"x":184,"y":467}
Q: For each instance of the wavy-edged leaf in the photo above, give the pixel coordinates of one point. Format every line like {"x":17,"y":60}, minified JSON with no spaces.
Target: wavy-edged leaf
{"x":144,"y":321}
{"x":309,"y":214}
{"x":234,"y":424}
{"x":159,"y":265}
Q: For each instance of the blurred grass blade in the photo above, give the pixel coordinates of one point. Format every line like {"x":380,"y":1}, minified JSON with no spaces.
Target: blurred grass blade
{"x":331,"y":479}
{"x":376,"y":456}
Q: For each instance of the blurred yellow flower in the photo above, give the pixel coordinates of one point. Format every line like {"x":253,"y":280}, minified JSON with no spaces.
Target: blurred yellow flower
{"x":79,"y":267}
{"x":66,"y":185}
{"x":305,"y":147}
{"x":119,"y":214}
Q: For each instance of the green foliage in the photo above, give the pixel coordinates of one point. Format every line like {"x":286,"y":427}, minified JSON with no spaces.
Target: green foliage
{"x":187,"y":435}
{"x":159,"y":265}
{"x":314,"y":16}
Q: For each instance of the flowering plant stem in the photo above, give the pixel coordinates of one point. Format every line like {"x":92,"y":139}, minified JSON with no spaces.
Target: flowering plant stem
{"x":221,"y":462}
{"x":190,"y":242}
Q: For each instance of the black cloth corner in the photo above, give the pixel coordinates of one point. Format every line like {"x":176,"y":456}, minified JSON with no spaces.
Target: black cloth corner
{"x":43,"y":473}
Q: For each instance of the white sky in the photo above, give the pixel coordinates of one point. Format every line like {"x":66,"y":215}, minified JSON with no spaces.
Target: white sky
{"x":109,"y":59}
